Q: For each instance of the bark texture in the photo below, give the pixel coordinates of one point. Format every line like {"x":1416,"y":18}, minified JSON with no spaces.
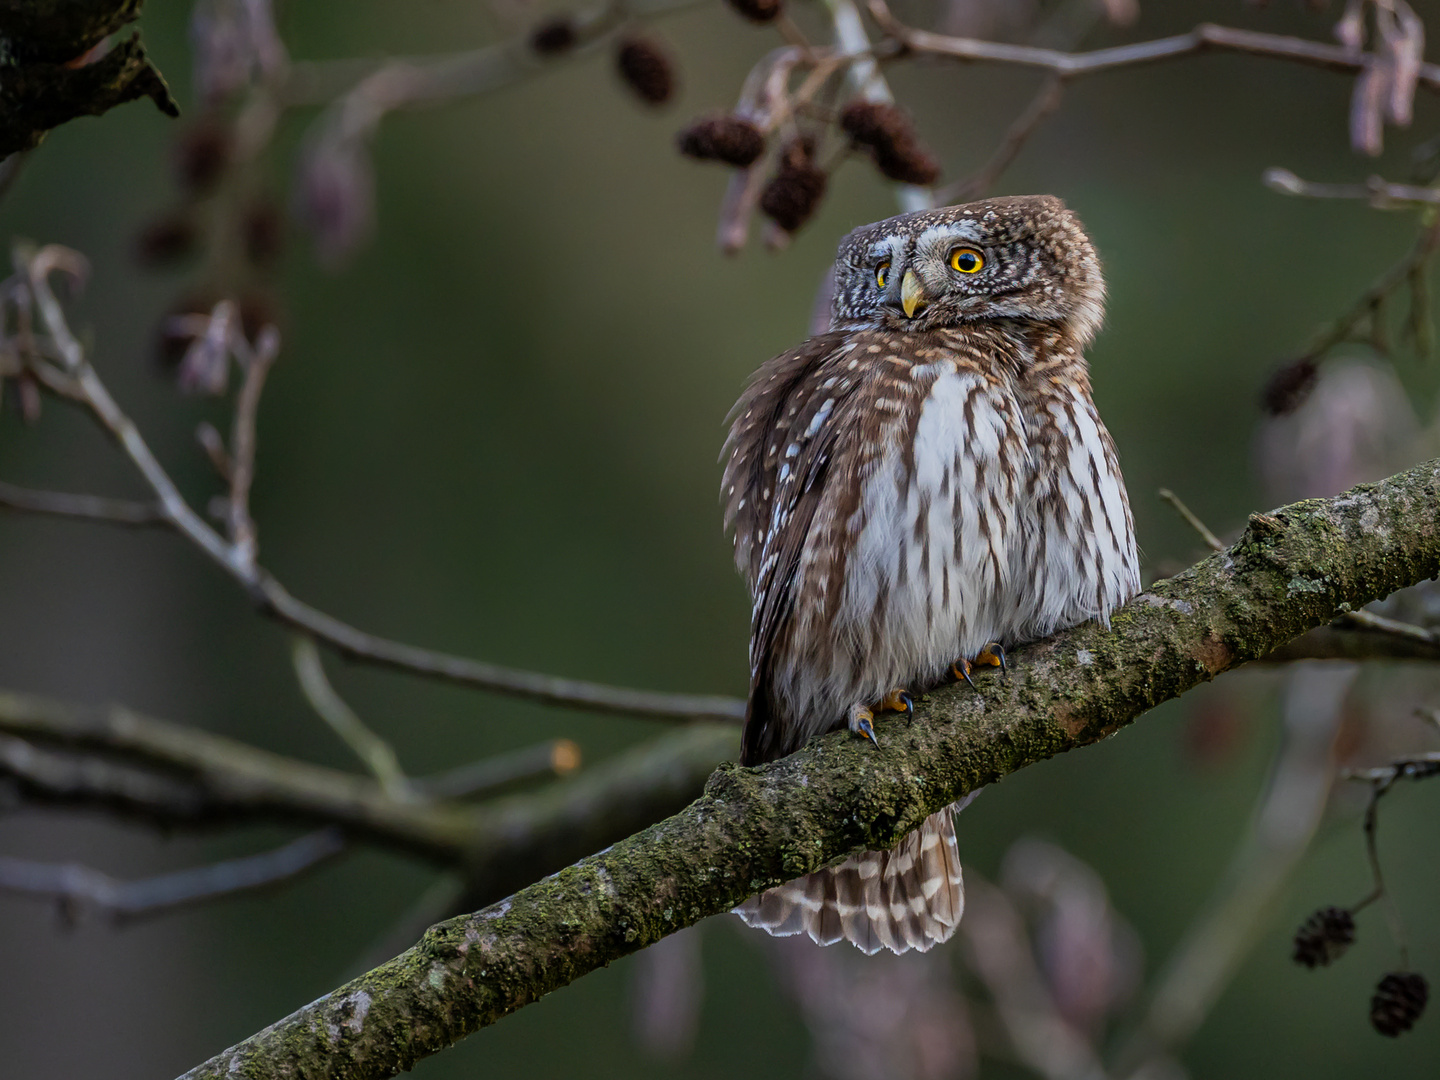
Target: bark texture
{"x":1293,"y":569}
{"x":47,"y":76}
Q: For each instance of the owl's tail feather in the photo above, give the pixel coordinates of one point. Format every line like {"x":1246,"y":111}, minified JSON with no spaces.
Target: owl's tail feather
{"x":909,"y":898}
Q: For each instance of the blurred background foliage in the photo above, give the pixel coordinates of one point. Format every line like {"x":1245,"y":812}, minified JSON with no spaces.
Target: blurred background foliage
{"x":495,"y":431}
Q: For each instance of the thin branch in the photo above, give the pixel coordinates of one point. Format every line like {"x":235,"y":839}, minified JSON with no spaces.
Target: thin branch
{"x":1413,"y":767}
{"x":213,"y":443}
{"x":168,"y":774}
{"x":1378,"y":192}
{"x":276,"y":601}
{"x":1206,"y":37}
{"x":242,"y":443}
{"x":377,"y":87}
{"x":869,"y":82}
{"x":1211,"y":540}
{"x":77,"y":889}
{"x":88,"y":507}
{"x":488,"y":777}
{"x":1378,"y":787}
{"x":1367,"y":306}
{"x":1341,"y":642}
{"x":754,"y":828}
{"x":374,"y":752}
{"x":1046,"y":100}
{"x":1368,"y":620}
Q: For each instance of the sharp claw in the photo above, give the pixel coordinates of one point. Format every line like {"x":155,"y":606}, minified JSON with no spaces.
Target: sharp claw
{"x":961,"y":670}
{"x":861,"y":723}
{"x":909,"y":704}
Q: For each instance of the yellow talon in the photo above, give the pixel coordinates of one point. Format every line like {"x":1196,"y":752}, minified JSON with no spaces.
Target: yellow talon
{"x":899,"y":700}
{"x":862,"y":724}
{"x":992,"y":655}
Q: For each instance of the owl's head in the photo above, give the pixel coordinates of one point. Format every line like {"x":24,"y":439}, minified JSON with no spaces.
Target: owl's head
{"x":1025,"y":258}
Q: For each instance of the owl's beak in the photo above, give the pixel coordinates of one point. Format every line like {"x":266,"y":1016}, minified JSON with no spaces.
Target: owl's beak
{"x":912,"y":294}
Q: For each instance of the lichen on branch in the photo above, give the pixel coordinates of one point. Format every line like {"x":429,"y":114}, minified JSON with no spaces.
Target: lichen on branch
{"x":1293,"y":569}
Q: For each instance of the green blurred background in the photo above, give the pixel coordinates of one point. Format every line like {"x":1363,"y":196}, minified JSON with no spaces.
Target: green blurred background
{"x":495,"y":431}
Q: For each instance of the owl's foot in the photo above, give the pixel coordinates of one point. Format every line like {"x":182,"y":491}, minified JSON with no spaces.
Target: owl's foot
{"x":992,"y":655}
{"x":862,"y":723}
{"x":898,"y":700}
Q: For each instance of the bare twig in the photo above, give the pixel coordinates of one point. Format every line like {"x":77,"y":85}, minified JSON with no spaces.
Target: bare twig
{"x":376,"y":754}
{"x":1414,"y":767}
{"x":1368,"y":620}
{"x":169,"y":774}
{"x":1340,"y":642}
{"x":407,"y":81}
{"x":869,"y":82}
{"x":1378,"y":787}
{"x":172,"y":775}
{"x":242,"y":443}
{"x":213,"y":443}
{"x":88,"y":507}
{"x":78,"y":888}
{"x":1046,"y":101}
{"x":1367,"y":307}
{"x":1378,"y":192}
{"x":489,"y":776}
{"x":1206,"y":37}
{"x":1211,"y":540}
{"x":277,"y":602}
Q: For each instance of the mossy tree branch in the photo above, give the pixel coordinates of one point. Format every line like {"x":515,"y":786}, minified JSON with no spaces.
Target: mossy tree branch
{"x":172,"y":775}
{"x":48,"y":75}
{"x":1291,"y":570}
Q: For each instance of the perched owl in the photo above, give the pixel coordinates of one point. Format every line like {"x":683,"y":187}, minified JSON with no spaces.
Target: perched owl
{"x":910,"y":492}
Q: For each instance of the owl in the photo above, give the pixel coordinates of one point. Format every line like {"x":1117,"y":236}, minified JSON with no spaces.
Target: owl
{"x":911,"y":492}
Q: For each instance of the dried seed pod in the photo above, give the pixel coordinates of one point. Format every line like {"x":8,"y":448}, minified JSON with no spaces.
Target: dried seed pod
{"x":760,"y":11}
{"x":645,"y":67}
{"x":1398,"y":1002}
{"x":908,"y":163}
{"x":202,"y":154}
{"x":791,"y":196}
{"x":1324,"y":937}
{"x":874,"y":123}
{"x":554,"y":36}
{"x":165,"y":240}
{"x":1286,"y":389}
{"x":886,"y":131}
{"x":730,"y":139}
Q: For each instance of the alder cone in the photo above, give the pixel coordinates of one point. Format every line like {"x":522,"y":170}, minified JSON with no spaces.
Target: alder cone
{"x":1398,"y":1002}
{"x":730,"y":139}
{"x":760,"y":11}
{"x":646,"y":69}
{"x":793,"y":194}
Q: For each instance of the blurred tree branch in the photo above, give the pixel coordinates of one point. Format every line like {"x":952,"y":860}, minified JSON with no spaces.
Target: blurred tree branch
{"x":172,"y":775}
{"x":77,"y":889}
{"x":56,"y":67}
{"x":52,"y":354}
{"x":1292,"y":570}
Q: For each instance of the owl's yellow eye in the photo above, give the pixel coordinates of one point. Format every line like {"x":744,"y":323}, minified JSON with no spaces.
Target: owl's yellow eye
{"x":882,"y":273}
{"x":966,"y":260}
